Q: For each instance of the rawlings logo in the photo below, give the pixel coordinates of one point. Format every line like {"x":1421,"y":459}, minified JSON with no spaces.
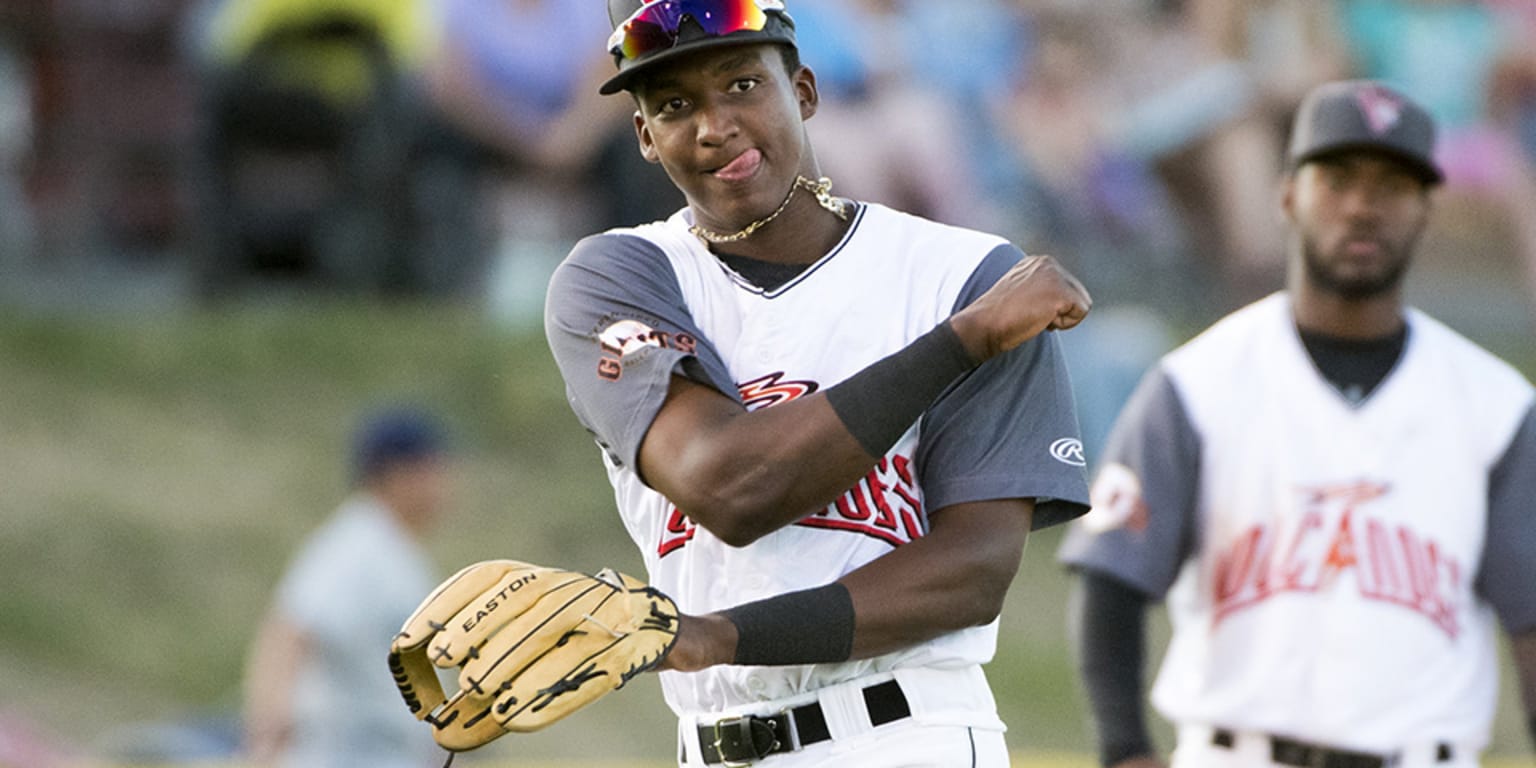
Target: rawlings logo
{"x":1069,"y":450}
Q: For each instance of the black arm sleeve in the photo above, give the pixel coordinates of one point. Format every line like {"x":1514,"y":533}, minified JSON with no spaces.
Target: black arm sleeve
{"x":1108,"y":620}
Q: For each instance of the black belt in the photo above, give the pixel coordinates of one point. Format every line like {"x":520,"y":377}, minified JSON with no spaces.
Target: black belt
{"x":743,"y":740}
{"x":1300,"y":753}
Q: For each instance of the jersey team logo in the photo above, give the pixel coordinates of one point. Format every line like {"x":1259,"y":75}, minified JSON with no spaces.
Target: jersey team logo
{"x":884,"y":505}
{"x":1336,"y":535}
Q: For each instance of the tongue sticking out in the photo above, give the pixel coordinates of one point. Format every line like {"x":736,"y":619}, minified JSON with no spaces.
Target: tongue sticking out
{"x":742,"y":167}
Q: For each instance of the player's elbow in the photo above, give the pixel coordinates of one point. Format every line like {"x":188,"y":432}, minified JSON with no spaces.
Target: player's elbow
{"x":735,"y":523}
{"x":985,"y":587}
{"x":736,"y":505}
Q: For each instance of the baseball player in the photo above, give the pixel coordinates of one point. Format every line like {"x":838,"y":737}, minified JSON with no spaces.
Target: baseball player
{"x":1336,"y":493}
{"x":829,"y":425}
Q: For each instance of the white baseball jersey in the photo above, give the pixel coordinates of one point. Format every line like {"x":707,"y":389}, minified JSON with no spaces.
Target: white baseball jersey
{"x":631,"y":308}
{"x":1335,"y":568}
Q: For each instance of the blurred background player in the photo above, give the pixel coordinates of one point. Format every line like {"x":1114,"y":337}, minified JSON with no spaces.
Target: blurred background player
{"x":316,"y":693}
{"x":1334,"y":490}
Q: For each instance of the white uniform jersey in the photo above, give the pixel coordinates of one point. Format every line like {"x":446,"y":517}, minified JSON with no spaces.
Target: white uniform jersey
{"x":1334,"y":567}
{"x":631,"y":308}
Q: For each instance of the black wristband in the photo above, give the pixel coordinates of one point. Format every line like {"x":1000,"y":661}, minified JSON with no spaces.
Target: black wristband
{"x":879,"y":403}
{"x":812,"y":626}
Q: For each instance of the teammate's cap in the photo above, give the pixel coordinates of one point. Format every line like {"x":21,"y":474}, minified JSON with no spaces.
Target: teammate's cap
{"x":395,"y":436}
{"x":648,"y":32}
{"x":1364,"y":115}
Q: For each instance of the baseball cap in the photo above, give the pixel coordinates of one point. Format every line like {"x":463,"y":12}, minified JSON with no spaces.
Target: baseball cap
{"x":394,"y":436}
{"x":1364,"y":115}
{"x":649,"y":32}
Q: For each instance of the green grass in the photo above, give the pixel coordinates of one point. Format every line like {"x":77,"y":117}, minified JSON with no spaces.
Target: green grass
{"x":157,"y":471}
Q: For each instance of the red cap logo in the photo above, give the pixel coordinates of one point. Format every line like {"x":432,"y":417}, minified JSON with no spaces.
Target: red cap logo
{"x":1381,"y":108}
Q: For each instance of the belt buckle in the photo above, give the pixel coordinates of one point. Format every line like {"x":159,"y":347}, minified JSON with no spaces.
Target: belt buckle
{"x":744,"y":722}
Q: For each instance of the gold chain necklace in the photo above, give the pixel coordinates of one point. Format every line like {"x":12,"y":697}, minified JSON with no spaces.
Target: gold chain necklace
{"x":822,"y":188}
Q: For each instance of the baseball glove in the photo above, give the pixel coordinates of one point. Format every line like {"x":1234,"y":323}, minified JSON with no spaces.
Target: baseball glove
{"x":531,"y":644}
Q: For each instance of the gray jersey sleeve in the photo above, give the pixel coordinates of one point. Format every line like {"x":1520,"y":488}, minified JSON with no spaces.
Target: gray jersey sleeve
{"x":619,"y":329}
{"x":1149,"y":485}
{"x":1506,"y":577}
{"x":1008,"y":430}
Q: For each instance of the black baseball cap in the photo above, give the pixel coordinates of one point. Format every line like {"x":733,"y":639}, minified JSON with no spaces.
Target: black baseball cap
{"x":1364,"y":115}
{"x":393,"y":436}
{"x":689,"y":29}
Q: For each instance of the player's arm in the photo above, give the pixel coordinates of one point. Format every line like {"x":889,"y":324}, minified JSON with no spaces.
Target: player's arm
{"x":953,"y":578}
{"x":1508,"y":567}
{"x":1127,"y":552}
{"x":985,"y":465}
{"x":1523,"y":650}
{"x":743,"y":474}
{"x":1109,"y":638}
{"x":271,"y":671}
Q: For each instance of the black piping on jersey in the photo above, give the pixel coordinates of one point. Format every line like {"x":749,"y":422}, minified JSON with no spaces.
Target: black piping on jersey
{"x":776,"y":292}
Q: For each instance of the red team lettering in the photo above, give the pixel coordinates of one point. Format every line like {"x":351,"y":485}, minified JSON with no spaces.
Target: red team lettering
{"x":884,"y":505}
{"x":1391,"y":563}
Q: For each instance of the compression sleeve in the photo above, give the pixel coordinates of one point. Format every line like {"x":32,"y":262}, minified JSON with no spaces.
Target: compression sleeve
{"x":1108,"y":623}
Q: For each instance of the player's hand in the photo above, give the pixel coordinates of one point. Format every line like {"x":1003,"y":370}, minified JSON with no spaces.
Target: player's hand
{"x":1036,"y":295}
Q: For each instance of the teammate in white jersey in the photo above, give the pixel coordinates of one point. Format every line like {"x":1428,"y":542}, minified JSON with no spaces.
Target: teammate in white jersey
{"x":1336,"y":493}
{"x":829,"y":425}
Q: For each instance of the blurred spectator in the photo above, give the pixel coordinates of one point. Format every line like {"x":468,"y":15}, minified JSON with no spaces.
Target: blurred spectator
{"x":323,"y":158}
{"x":108,"y":113}
{"x":15,"y":147}
{"x":1096,"y":201}
{"x":522,"y":77}
{"x":1449,"y":55}
{"x":1163,"y":133}
{"x":1287,"y":46}
{"x":318,"y":694}
{"x":901,"y":142}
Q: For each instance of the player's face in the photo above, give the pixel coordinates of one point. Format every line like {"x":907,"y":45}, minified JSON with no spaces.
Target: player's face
{"x":1359,"y":217}
{"x":728,"y":126}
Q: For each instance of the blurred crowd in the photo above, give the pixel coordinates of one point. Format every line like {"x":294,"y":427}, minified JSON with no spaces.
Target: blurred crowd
{"x":428,"y":146}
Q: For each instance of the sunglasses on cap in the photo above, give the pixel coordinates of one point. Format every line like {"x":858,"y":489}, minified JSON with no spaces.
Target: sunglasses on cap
{"x":655,"y":27}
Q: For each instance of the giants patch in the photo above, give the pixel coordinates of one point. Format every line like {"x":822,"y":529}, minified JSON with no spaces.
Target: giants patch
{"x":619,"y":339}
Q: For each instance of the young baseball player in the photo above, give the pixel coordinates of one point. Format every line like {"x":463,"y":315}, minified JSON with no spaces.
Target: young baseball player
{"x":829,"y":425}
{"x":1336,"y":493}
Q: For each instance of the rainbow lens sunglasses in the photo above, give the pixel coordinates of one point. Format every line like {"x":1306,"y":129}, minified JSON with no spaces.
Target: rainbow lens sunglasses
{"x":656,"y":25}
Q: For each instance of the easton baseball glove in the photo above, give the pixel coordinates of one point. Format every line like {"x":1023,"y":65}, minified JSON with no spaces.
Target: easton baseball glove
{"x":531,"y":644}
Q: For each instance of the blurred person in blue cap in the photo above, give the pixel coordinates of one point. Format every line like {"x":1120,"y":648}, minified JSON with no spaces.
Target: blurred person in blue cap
{"x":315,"y":694}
